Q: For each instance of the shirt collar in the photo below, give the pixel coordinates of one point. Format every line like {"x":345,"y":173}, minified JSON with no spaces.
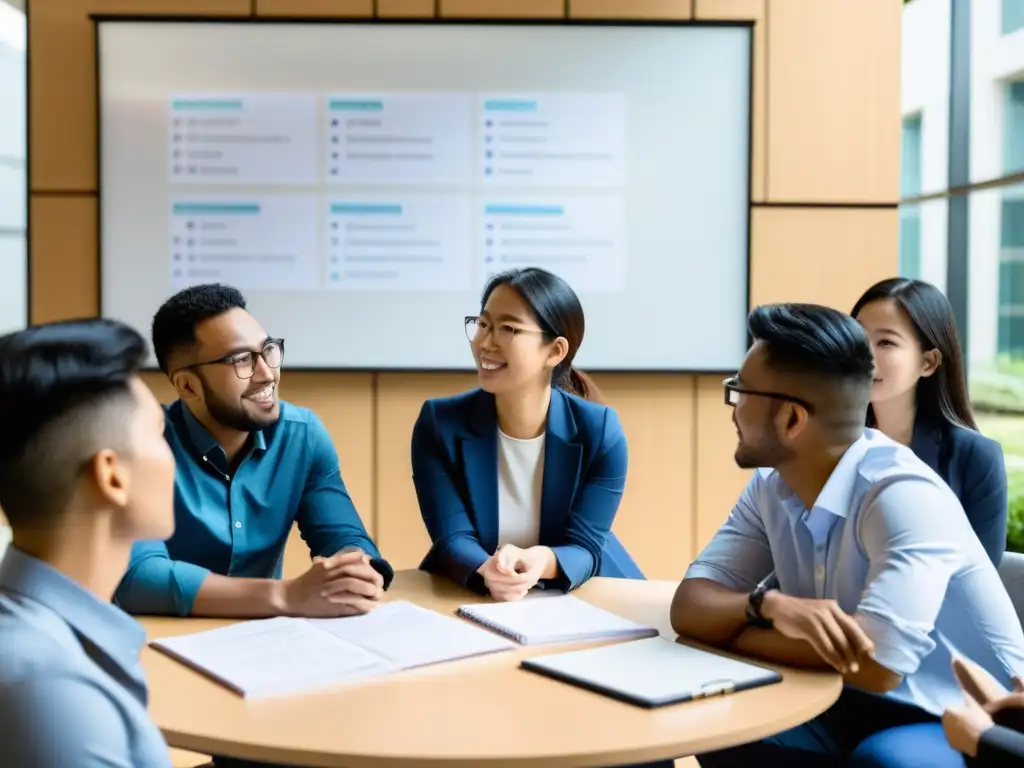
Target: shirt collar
{"x":836,"y":496}
{"x":204,"y":442}
{"x":103,"y":624}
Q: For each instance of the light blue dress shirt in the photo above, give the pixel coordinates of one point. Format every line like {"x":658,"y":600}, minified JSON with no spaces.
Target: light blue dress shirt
{"x":72,"y":691}
{"x":888,"y":540}
{"x":238,"y":524}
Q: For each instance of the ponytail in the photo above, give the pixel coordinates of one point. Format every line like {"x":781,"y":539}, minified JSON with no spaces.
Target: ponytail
{"x":576,"y":382}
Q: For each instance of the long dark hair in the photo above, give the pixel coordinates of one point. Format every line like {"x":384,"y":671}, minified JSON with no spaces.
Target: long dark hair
{"x":943,"y":395}
{"x":558,"y":312}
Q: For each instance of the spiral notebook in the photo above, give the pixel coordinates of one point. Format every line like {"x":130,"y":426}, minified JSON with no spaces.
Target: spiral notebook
{"x":562,"y":619}
{"x":654,"y":672}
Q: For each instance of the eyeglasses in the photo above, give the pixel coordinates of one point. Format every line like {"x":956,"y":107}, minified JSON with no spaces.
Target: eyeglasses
{"x":733,"y":390}
{"x":477,"y":328}
{"x":245,"y":362}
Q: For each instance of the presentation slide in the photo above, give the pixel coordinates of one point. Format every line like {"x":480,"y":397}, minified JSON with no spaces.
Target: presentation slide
{"x":363,"y":184}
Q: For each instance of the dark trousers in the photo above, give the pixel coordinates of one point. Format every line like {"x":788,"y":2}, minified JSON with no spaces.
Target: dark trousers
{"x":859,"y":731}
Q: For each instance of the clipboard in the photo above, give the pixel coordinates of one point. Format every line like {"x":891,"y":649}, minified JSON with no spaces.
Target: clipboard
{"x":651,"y":673}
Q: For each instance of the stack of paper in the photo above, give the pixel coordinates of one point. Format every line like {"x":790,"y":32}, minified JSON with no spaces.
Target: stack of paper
{"x":562,"y":619}
{"x":269,"y":657}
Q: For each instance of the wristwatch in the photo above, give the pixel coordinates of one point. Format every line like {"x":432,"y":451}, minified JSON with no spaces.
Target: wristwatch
{"x":754,"y":602}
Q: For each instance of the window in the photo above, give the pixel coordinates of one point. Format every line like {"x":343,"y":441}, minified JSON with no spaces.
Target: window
{"x":910,"y":157}
{"x":1013,"y":126}
{"x":1013,"y":16}
{"x":910,"y":186}
{"x":1011,"y":274}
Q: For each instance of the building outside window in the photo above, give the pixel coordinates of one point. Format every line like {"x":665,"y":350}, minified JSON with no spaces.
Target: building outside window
{"x":992,"y":326}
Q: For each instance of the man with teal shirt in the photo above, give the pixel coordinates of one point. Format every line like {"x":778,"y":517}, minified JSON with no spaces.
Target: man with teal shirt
{"x":249,"y":466}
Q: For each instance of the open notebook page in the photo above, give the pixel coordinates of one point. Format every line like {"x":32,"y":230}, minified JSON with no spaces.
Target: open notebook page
{"x":554,"y":620}
{"x":274,"y":656}
{"x":409,"y":636}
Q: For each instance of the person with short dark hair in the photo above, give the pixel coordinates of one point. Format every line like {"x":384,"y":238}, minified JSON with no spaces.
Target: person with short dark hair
{"x":920,"y":399}
{"x":249,"y":466}
{"x":84,"y":472}
{"x":875,"y":571}
{"x":519,"y":481}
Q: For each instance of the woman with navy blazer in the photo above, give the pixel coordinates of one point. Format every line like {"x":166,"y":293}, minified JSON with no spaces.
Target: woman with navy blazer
{"x":920,"y":399}
{"x":519,"y":480}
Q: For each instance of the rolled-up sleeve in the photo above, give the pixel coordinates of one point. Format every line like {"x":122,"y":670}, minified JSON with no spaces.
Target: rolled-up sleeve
{"x":910,"y":536}
{"x":61,"y":720}
{"x":157,"y":585}
{"x":739,"y":555}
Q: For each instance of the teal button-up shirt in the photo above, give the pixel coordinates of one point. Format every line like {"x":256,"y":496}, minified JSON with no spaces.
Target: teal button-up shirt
{"x":238,"y":525}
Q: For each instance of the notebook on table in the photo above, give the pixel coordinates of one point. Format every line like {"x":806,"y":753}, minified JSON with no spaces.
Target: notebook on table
{"x":561,"y":619}
{"x":652,"y":673}
{"x":269,"y":657}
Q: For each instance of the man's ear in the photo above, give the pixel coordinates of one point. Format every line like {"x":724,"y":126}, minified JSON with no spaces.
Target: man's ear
{"x":932,"y":361}
{"x":109,"y":477}
{"x":186,"y":385}
{"x":791,"y":420}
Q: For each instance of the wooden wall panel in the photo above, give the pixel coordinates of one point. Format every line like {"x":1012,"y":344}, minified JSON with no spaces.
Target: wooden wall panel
{"x":62,"y":83}
{"x":674,"y":10}
{"x":401,"y":535}
{"x":64,"y":283}
{"x":344,"y":403}
{"x":405,"y":8}
{"x":834,"y":91}
{"x":315,"y":8}
{"x":749,"y":10}
{"x":653,"y":521}
{"x":508,"y":9}
{"x":821,"y":255}
{"x":720,"y":481}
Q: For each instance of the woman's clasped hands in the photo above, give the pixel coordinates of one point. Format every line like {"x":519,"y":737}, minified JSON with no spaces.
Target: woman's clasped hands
{"x":511,"y":572}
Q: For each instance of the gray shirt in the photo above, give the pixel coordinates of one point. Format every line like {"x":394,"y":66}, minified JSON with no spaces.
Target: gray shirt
{"x":72,"y":691}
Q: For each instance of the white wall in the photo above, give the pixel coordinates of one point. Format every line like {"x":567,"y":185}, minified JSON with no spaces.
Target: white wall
{"x":13,"y":204}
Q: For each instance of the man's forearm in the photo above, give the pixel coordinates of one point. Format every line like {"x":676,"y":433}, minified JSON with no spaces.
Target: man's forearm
{"x":230,"y":597}
{"x":708,"y":612}
{"x":772,"y":645}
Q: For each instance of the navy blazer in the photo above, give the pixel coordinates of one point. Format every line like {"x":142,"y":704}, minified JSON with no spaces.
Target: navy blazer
{"x":973,"y":467}
{"x":455,"y":471}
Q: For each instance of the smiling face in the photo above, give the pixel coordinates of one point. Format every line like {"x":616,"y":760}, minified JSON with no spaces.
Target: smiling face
{"x":510,"y":349}
{"x":900,"y":361}
{"x":223,"y":349}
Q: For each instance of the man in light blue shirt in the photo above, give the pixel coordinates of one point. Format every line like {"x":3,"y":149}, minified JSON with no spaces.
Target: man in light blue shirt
{"x":84,"y":471}
{"x":249,"y":466}
{"x":877,"y":572}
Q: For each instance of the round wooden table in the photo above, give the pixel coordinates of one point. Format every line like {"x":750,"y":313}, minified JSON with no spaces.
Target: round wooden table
{"x":476,"y":712}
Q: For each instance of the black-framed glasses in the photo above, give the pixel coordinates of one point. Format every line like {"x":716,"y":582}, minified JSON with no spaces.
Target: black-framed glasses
{"x":502,"y":334}
{"x":245,"y":362}
{"x":733,"y":390}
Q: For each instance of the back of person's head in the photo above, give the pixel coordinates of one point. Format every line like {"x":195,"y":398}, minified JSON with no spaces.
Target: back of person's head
{"x":174,"y":325}
{"x":823,"y":354}
{"x":558,"y":312}
{"x":916,"y":320}
{"x":81,"y":429}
